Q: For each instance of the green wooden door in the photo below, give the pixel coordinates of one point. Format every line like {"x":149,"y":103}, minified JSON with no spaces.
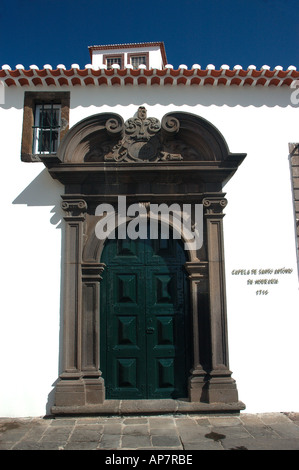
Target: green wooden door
{"x":144,"y":326}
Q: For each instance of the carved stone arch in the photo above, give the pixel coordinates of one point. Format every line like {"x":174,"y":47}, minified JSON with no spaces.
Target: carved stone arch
{"x":90,"y":138}
{"x":206,"y":141}
{"x":105,"y":137}
{"x":183,"y":159}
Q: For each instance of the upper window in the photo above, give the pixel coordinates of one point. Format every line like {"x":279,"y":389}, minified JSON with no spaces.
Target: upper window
{"x":134,"y":59}
{"x":46,"y":127}
{"x":45,"y":122}
{"x":138,"y":59}
{"x":110,"y":60}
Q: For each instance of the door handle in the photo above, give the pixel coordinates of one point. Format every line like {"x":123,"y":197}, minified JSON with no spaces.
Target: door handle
{"x":150,"y":330}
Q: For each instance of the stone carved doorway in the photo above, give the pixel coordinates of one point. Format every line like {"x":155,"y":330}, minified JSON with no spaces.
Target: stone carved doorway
{"x":182,"y":159}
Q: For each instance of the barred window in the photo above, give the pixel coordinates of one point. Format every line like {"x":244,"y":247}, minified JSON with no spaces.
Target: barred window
{"x":34,"y":123}
{"x":113,"y":60}
{"x":46,"y":129}
{"x":138,"y":60}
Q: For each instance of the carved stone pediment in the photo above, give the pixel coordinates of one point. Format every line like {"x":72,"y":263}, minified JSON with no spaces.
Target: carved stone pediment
{"x":143,"y":141}
{"x":178,"y":137}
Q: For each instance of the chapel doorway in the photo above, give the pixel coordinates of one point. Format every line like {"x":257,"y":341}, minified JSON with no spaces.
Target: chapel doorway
{"x":145,"y":336}
{"x":135,"y":325}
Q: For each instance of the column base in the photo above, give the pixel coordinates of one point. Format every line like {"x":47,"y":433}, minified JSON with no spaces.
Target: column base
{"x":197,"y":386}
{"x":81,"y":391}
{"x":86,"y":395}
{"x":214,"y":387}
{"x":221,"y":388}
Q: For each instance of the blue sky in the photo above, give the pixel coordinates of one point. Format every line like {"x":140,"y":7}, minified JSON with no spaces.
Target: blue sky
{"x":232,"y":32}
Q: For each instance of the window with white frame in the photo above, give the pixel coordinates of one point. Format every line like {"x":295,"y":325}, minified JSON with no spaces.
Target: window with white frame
{"x":47,"y":123}
{"x":138,"y":60}
{"x":113,"y":60}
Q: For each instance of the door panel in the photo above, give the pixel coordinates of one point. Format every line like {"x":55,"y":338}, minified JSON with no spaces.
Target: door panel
{"x":166,"y":347}
{"x":144,"y":352}
{"x":126,"y":355}
{"x":124,"y":252}
{"x":164,"y":251}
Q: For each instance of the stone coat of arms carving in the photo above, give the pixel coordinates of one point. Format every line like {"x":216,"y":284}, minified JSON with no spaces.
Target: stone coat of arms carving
{"x":142,"y":141}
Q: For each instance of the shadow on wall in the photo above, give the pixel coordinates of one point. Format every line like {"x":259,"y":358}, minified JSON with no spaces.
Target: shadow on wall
{"x":204,"y":96}
{"x":208,"y":95}
{"x":44,"y":191}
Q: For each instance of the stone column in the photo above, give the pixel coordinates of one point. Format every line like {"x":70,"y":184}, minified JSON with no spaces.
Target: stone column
{"x":94,"y":383}
{"x":198,"y":277}
{"x":221,"y":387}
{"x":70,"y":390}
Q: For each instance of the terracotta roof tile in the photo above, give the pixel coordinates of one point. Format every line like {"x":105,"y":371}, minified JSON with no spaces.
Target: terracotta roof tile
{"x":91,"y":76}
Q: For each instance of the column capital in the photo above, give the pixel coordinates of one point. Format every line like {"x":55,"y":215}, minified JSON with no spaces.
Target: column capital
{"x":214,"y":205}
{"x":91,"y":272}
{"x":197,"y":270}
{"x":74,"y":208}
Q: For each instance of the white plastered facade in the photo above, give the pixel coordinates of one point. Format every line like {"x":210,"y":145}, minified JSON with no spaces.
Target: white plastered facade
{"x":259,"y":234}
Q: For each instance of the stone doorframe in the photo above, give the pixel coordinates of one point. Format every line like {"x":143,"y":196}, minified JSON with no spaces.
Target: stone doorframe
{"x":184,"y":159}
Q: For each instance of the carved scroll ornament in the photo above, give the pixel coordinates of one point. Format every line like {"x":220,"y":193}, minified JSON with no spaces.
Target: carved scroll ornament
{"x":143,"y":140}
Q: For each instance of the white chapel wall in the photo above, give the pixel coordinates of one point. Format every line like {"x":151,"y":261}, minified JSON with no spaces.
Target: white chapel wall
{"x":30,"y":280}
{"x":259,"y":234}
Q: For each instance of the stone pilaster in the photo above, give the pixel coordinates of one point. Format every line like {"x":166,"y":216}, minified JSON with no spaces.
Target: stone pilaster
{"x":94,"y":383}
{"x":198,"y":277}
{"x":220,"y":387}
{"x":80,"y":382}
{"x":70,"y":389}
{"x":74,"y":218}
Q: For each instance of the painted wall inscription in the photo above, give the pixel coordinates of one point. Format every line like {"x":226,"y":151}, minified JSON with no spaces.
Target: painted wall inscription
{"x":262,"y":279}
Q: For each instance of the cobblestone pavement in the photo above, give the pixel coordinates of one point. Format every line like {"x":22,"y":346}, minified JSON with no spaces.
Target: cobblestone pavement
{"x":270,"y":431}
